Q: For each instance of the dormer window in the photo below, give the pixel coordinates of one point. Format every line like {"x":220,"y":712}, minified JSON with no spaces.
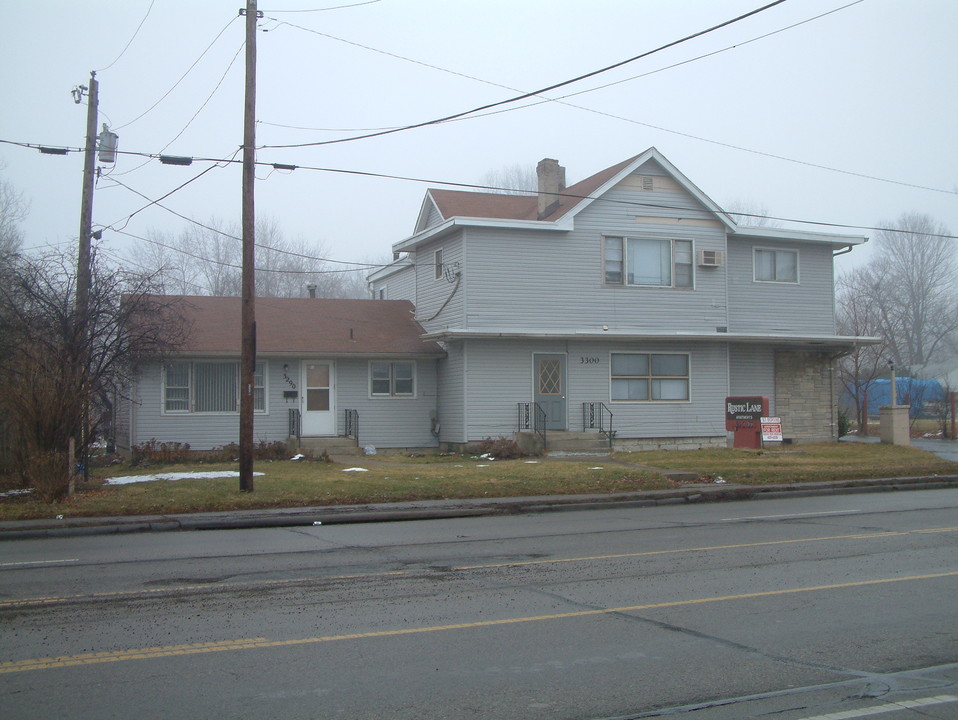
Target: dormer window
{"x":654,"y":262}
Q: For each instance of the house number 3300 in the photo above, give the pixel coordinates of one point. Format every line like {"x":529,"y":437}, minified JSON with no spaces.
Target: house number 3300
{"x":588,"y":360}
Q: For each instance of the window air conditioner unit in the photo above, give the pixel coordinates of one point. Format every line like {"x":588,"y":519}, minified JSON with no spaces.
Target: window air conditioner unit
{"x":710,"y":258}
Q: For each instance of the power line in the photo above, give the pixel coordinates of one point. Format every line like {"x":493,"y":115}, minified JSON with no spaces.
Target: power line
{"x":240,"y":267}
{"x":195,"y":115}
{"x":476,"y":186}
{"x":560,"y":100}
{"x":135,"y":33}
{"x":554,"y":86}
{"x":182,"y":77}
{"x":337,"y":7}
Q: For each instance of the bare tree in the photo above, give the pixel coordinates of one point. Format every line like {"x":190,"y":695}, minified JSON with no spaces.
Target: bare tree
{"x":511,"y":180}
{"x":856,"y":316}
{"x":206,"y":260}
{"x":58,"y":376}
{"x":13,"y":210}
{"x":751,"y":214}
{"x":913,"y":282}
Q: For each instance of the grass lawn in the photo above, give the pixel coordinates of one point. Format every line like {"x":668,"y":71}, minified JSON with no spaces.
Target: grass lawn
{"x":393,"y":478}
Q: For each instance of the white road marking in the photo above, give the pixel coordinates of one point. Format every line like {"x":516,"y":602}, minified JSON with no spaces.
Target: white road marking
{"x":886,"y":708}
{"x":796,"y":515}
{"x":38,"y":562}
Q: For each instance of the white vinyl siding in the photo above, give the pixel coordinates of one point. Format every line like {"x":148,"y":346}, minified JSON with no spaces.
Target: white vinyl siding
{"x":209,"y":387}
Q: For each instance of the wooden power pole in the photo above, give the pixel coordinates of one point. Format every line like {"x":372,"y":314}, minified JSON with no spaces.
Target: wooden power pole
{"x":86,"y":213}
{"x":248,"y":321}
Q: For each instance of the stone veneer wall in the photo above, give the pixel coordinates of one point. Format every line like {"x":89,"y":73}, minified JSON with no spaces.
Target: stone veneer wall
{"x":805,"y":396}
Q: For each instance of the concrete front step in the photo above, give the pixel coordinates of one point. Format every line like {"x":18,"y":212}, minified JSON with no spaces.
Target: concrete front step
{"x":332,"y":445}
{"x":558,"y":440}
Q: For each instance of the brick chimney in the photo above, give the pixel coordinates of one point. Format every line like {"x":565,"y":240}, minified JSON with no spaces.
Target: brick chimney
{"x":551,"y":177}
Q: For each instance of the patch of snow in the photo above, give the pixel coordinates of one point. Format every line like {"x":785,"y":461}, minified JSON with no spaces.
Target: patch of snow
{"x":355,"y":469}
{"x":127,"y":479}
{"x":482,"y":466}
{"x":532,"y":462}
{"x":298,"y":456}
{"x":720,"y":480}
{"x":596,"y":468}
{"x":369,"y":450}
{"x":14,"y":493}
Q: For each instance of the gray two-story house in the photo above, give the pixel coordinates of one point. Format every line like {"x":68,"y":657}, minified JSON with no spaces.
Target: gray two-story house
{"x":628,"y":300}
{"x":627,"y":305}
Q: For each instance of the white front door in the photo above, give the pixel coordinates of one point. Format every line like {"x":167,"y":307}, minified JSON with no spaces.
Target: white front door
{"x":318,"y":399}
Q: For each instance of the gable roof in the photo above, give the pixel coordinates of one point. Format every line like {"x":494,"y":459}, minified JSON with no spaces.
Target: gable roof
{"x":521,"y":211}
{"x":307,"y":326}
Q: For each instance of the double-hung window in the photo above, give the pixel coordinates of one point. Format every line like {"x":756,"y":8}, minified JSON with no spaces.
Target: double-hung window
{"x":638,"y":377}
{"x":392,"y":379}
{"x":656,"y":262}
{"x":209,"y":387}
{"x":776,"y":265}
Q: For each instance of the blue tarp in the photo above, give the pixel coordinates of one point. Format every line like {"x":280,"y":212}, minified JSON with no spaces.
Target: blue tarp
{"x":917,"y":393}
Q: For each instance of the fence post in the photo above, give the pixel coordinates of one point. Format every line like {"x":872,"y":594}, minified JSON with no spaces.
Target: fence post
{"x":953,"y":436}
{"x":863,"y":426}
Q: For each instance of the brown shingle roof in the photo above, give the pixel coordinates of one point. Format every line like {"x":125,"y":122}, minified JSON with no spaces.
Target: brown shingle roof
{"x":456,"y":203}
{"x":308,"y":326}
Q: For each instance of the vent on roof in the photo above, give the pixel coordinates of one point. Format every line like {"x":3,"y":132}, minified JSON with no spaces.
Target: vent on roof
{"x":710,"y":258}
{"x":648,"y":185}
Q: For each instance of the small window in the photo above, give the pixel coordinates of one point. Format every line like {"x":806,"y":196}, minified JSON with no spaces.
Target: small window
{"x":438,"y":258}
{"x":176,"y":387}
{"x":660,"y":377}
{"x":657,"y":262}
{"x":776,"y":265}
{"x":392,"y":379}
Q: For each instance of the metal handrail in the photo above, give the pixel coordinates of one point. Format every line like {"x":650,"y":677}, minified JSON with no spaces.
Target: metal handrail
{"x":531,"y":416}
{"x":351,"y":424}
{"x":594,"y":416}
{"x":295,"y":426}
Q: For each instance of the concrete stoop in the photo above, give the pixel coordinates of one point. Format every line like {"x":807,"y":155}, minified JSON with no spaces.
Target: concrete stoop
{"x":332,"y":445}
{"x":576,"y":441}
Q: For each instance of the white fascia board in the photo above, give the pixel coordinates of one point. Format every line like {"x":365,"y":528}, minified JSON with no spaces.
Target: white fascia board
{"x":799,"y":235}
{"x":410,"y":243}
{"x":598,"y":334}
{"x":391,"y":269}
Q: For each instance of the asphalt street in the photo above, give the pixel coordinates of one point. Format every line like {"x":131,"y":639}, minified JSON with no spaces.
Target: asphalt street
{"x":793,"y":608}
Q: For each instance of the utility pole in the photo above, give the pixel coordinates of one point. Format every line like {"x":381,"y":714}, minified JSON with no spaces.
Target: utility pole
{"x":82,"y":320}
{"x":86,"y":208}
{"x":248,"y":316}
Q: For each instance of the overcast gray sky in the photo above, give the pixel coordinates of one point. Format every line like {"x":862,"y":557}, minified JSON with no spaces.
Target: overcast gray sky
{"x":868,"y":91}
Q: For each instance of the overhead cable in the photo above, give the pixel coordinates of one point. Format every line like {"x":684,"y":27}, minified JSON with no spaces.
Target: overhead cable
{"x":554,"y":86}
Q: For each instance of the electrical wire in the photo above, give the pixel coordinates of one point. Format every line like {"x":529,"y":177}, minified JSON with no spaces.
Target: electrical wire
{"x":135,"y":33}
{"x":338,"y":7}
{"x":190,"y":122}
{"x":240,"y":267}
{"x":476,"y":186}
{"x":182,"y":77}
{"x":523,"y":96}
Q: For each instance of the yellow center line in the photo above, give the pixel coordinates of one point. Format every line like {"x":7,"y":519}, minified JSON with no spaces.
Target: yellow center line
{"x":647,"y":553}
{"x":119,"y":594}
{"x":252,"y":643}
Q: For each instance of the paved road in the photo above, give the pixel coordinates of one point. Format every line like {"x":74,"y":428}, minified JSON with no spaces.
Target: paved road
{"x":803,"y":607}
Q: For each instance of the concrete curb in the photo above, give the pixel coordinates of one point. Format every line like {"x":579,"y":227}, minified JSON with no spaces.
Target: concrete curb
{"x":458,"y":508}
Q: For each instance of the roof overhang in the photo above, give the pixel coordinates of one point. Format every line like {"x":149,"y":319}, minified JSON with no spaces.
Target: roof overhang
{"x":765,"y":233}
{"x":841,"y":343}
{"x":312,"y":354}
{"x":438,"y":231}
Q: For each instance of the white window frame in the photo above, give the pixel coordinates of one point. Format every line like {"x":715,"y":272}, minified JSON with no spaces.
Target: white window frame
{"x":650,"y":378}
{"x":261,"y":389}
{"x":792,"y":251}
{"x":392,"y":394}
{"x":622,"y":241}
